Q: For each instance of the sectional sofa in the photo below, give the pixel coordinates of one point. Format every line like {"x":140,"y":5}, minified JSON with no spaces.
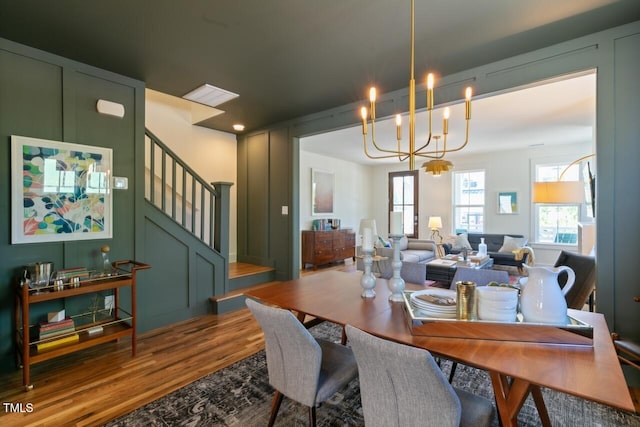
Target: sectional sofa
{"x":503,"y":248}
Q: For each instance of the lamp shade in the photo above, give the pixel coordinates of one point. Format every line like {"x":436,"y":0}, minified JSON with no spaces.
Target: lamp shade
{"x":435,"y":222}
{"x":558,"y":192}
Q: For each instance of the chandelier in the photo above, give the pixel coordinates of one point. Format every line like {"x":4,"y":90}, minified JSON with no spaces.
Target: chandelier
{"x":437,"y":164}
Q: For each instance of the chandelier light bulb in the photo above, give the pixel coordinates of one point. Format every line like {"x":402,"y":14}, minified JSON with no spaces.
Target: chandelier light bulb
{"x":363,"y":114}
{"x":445,"y":124}
{"x":372,"y":100}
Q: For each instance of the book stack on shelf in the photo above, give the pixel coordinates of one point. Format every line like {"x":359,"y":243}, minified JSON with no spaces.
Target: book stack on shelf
{"x":52,"y":334}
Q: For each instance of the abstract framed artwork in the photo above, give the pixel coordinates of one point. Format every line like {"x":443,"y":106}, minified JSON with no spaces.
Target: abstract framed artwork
{"x":507,"y":202}
{"x":60,"y":191}
{"x":322,"y":192}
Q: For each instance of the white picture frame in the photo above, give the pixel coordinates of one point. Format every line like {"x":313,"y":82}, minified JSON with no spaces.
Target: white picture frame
{"x":507,"y":202}
{"x":59,"y":191}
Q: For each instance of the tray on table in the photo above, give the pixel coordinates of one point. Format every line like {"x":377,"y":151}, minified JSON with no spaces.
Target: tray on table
{"x":575,"y":332}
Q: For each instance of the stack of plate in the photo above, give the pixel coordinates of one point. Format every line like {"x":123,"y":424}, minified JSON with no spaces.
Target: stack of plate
{"x":435,"y":303}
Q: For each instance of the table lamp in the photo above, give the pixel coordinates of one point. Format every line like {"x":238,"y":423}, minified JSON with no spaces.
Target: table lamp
{"x":435,"y":224}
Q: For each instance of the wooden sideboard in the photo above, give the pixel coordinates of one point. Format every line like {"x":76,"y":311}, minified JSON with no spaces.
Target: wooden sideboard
{"x":325,"y":247}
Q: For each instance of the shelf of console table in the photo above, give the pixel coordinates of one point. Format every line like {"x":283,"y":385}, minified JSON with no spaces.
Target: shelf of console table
{"x":92,"y":328}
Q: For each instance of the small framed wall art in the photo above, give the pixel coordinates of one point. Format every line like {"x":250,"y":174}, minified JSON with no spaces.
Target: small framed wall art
{"x":60,"y":191}
{"x":507,"y":202}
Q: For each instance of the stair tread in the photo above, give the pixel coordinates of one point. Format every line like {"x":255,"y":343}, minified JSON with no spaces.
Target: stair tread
{"x":241,"y":269}
{"x":238,"y":292}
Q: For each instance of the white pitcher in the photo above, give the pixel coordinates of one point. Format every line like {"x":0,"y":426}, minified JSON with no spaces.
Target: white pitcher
{"x":542,"y":300}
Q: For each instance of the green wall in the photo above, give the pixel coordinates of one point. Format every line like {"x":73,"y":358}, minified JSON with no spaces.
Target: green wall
{"x":266,"y":165}
{"x":48,"y":97}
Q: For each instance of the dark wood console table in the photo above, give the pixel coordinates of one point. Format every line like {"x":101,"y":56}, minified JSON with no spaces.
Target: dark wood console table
{"x":325,"y":247}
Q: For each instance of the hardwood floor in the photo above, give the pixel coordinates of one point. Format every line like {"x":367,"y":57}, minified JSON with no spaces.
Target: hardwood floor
{"x":97,"y":385}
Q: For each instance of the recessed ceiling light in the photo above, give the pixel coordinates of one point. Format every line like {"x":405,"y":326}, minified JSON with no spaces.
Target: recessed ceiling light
{"x":238,"y":127}
{"x":210,"y":95}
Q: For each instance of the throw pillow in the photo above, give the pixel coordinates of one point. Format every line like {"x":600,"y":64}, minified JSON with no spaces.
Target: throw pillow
{"x":511,"y":244}
{"x":461,"y":242}
{"x":404,"y":243}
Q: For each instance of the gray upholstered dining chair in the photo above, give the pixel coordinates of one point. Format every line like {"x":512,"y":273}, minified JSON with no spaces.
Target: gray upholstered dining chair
{"x":300,"y":367}
{"x":480,"y":276}
{"x":402,"y":386}
{"x":628,"y":350}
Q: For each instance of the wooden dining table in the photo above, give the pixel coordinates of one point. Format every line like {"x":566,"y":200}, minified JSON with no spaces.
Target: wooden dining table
{"x":516,"y":368}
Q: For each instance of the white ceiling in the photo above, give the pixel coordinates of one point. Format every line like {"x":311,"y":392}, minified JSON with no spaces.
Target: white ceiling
{"x":554,"y":112}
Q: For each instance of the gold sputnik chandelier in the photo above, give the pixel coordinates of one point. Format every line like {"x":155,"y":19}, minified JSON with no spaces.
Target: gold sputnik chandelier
{"x":437,"y":164}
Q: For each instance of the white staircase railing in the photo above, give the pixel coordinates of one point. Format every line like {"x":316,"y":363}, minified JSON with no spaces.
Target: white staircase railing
{"x":180,"y":193}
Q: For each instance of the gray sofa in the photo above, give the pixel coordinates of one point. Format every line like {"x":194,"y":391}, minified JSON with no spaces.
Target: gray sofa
{"x":414,"y":254}
{"x":494,"y":243}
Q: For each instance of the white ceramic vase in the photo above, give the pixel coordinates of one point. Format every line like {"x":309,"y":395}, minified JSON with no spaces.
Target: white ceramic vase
{"x":542,"y":300}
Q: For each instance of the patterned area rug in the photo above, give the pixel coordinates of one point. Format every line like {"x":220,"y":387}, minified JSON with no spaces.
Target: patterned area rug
{"x":240,"y":395}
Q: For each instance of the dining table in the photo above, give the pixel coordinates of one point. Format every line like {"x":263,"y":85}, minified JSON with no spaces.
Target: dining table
{"x":517,"y":369}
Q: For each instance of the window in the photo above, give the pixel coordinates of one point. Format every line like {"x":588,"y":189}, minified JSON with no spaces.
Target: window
{"x":468,"y":201}
{"x":403,"y":197}
{"x":557,"y":223}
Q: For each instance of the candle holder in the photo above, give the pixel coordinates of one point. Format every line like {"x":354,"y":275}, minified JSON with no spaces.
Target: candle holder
{"x":368,"y":280}
{"x":396,"y":283}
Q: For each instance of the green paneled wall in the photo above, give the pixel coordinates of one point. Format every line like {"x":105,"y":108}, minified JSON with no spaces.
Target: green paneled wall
{"x":265,"y":181}
{"x":280,"y":191}
{"x":48,"y":97}
{"x":627,"y":175}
